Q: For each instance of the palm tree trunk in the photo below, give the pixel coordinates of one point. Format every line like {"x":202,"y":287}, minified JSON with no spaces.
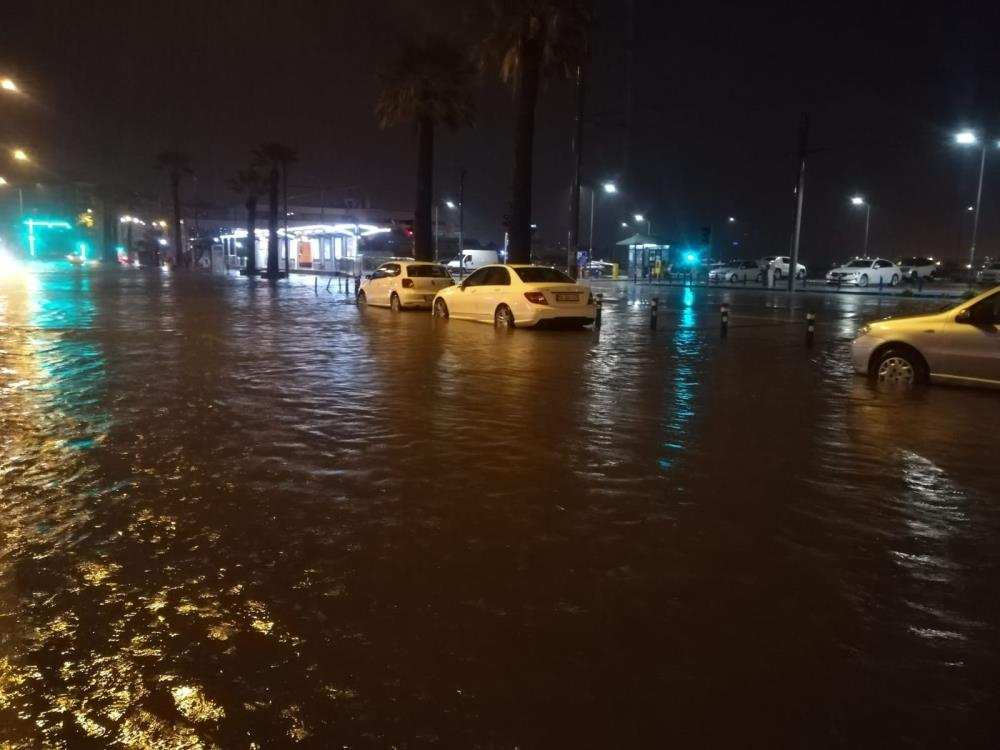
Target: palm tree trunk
{"x":175,"y":192}
{"x":423,"y":243}
{"x":252,"y":235}
{"x":526,"y":97}
{"x":273,"y":268}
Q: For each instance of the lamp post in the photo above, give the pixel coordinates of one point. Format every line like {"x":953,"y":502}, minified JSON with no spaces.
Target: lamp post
{"x":649,"y":224}
{"x":609,"y":188}
{"x":858,"y":200}
{"x":969,"y":138}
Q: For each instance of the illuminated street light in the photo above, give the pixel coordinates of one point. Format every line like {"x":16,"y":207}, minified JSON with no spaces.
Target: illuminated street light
{"x":731,"y":219}
{"x":610,"y":187}
{"x":7,"y":84}
{"x":19,"y":154}
{"x":3,"y":181}
{"x":971,"y":208}
{"x":649,"y":224}
{"x":858,"y":200}
{"x":450,"y":204}
{"x":624,"y":225}
{"x":969,"y":138}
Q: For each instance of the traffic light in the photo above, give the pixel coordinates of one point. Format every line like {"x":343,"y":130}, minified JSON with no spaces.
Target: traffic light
{"x":706,"y":236}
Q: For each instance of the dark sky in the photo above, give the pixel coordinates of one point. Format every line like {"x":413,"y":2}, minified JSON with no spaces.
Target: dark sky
{"x":718,"y":88}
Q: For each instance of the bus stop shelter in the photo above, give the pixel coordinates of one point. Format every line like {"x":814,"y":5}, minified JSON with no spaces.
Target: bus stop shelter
{"x":648,"y":257}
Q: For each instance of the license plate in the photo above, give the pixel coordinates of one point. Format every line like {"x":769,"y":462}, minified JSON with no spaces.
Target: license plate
{"x":567,"y":298}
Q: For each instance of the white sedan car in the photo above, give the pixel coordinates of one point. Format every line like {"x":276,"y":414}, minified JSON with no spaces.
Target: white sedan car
{"x":865,"y":271}
{"x":736,"y":271}
{"x":782,"y":266}
{"x":517,"y":295}
{"x":990,"y":274}
{"x":398,"y":284}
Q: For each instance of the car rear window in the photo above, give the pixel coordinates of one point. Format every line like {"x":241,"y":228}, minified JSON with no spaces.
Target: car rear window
{"x":542,"y":275}
{"x":425,"y":272}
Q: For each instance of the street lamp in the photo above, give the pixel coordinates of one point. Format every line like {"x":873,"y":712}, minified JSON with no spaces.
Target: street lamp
{"x":610,"y":187}
{"x":19,"y":154}
{"x":858,"y":200}
{"x":969,"y":138}
{"x":450,"y":204}
{"x":7,"y":84}
{"x":649,"y":224}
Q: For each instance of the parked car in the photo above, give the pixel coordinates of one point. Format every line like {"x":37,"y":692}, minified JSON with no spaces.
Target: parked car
{"x":782,"y":266}
{"x":865,"y":271}
{"x":398,"y":284}
{"x":598,"y":268}
{"x":960,"y":345}
{"x":912,"y":269}
{"x":736,"y":271}
{"x":990,"y":274}
{"x":470,"y":260}
{"x":517,"y":296}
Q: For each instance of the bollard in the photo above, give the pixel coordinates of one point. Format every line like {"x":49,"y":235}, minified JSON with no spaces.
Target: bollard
{"x":598,"y":308}
{"x":357,"y":285}
{"x":328,"y":282}
{"x":810,"y":328}
{"x":920,"y":283}
{"x":881,"y":281}
{"x":316,"y":285}
{"x":839,"y":279}
{"x":724,"y":321}
{"x":653,"y":310}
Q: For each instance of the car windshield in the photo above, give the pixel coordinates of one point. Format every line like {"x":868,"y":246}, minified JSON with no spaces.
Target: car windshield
{"x":859,"y":264}
{"x":542,"y":275}
{"x":427,"y":271}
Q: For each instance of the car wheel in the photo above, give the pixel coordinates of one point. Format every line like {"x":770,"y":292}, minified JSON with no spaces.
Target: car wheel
{"x":394,"y":303}
{"x":362,"y":298}
{"x":863,"y":281}
{"x":733,"y":279}
{"x":894,"y":280}
{"x":899,"y":367}
{"x":440,"y":308}
{"x":503,"y":317}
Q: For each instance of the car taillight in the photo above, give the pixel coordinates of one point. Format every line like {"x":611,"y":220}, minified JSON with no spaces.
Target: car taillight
{"x":407,"y":283}
{"x":536,"y":298}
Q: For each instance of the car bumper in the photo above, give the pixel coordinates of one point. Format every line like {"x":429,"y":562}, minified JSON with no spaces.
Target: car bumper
{"x":847,"y":282}
{"x":416,"y":298}
{"x":861,"y":352}
{"x":543,"y":315}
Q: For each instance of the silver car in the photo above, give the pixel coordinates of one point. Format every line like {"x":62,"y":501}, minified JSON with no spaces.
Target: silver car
{"x":960,"y":346}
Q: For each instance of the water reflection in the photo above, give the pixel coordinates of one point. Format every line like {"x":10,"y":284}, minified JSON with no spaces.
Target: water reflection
{"x":239,"y":515}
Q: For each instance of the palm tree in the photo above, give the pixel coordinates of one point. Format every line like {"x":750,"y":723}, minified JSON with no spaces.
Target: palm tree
{"x":530,"y":40}
{"x":176,"y":164}
{"x":275,"y":158}
{"x":428,"y":84}
{"x":250,"y":184}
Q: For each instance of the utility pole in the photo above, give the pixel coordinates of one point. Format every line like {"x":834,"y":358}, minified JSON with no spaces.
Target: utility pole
{"x":574,"y":198}
{"x":629,"y":85}
{"x":461,"y":213}
{"x":799,"y":200}
{"x":284,"y":190}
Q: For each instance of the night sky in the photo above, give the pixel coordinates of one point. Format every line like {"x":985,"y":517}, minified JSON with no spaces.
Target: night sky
{"x":718,"y":88}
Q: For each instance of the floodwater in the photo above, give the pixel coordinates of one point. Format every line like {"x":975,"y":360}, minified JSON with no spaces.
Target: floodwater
{"x":238,"y":516}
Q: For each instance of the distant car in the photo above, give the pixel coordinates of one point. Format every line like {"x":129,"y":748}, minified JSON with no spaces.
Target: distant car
{"x":864,"y":271}
{"x":736,"y":271}
{"x":599,"y":268}
{"x":990,"y":274}
{"x":960,"y":346}
{"x":782,"y":266}
{"x":399,"y":284}
{"x":912,"y":269}
{"x":521,"y":296}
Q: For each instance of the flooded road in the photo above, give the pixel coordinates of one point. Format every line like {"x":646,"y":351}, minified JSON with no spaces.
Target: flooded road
{"x":235,"y":516}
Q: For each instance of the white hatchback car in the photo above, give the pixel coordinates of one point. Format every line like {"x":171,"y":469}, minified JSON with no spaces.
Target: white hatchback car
{"x":403,"y":283}
{"x":517,"y":295}
{"x":864,"y":271}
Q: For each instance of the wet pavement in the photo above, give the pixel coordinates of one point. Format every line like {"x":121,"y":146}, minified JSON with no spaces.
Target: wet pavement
{"x":238,"y":516}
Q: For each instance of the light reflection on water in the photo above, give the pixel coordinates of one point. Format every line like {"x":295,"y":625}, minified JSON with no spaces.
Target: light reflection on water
{"x":236,"y":516}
